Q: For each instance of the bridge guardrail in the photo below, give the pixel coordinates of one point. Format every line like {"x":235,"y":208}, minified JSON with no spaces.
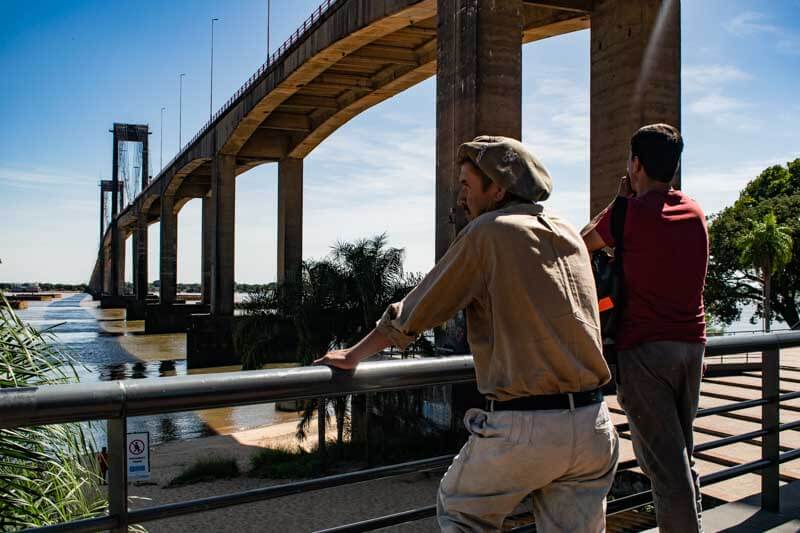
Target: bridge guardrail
{"x":116,"y":401}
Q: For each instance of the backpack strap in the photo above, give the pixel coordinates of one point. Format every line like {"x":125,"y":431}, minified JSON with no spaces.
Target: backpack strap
{"x":618,"y":213}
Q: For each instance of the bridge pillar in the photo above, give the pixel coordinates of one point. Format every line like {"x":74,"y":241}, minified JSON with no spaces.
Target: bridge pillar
{"x":635,"y":80}
{"x":223,"y":197}
{"x":140,"y":257}
{"x":207,"y":245}
{"x":478,"y":91}
{"x":106,"y":287}
{"x":119,"y":267}
{"x":168,"y":260}
{"x":290,"y":218}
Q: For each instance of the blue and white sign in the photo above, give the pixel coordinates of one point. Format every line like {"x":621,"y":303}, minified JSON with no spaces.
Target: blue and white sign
{"x":138,"y":452}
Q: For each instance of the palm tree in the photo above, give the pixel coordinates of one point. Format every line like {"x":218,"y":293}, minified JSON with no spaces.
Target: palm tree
{"x":767,"y":247}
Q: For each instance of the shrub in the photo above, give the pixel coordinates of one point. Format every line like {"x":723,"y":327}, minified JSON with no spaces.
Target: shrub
{"x":207,"y":469}
{"x":283,"y":463}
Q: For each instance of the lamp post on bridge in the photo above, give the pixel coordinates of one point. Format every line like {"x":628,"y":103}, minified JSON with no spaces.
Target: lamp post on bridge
{"x":180,"y":110}
{"x":211,"y":94}
{"x":161,"y":155}
{"x":268,"y":9}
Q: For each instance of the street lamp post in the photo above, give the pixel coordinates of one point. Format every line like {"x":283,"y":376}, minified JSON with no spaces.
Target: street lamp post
{"x":180,"y":111}
{"x":268,"y":9}
{"x":161,"y":155}
{"x":211,"y":94}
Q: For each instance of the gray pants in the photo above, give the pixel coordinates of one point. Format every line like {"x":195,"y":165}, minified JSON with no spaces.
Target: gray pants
{"x":565,"y":459}
{"x":659,"y":389}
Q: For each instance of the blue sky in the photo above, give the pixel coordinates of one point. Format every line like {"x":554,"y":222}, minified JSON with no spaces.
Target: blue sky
{"x":71,"y":69}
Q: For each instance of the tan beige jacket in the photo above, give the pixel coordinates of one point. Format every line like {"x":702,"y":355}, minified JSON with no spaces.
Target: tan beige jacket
{"x":526,"y":282}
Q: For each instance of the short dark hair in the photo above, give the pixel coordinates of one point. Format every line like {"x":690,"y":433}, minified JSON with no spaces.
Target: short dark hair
{"x":658,"y":147}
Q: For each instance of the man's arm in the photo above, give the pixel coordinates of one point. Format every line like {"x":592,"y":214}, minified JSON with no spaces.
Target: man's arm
{"x":449,"y":287}
{"x":348,"y":358}
{"x":591,"y":237}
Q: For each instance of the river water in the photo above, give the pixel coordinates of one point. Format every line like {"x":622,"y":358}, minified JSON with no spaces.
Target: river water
{"x":106,"y":348}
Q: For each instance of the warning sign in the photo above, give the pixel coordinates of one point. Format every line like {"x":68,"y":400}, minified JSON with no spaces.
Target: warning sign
{"x":138,"y":456}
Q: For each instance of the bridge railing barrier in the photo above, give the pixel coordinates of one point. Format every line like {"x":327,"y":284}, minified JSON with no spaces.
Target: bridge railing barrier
{"x":116,"y":401}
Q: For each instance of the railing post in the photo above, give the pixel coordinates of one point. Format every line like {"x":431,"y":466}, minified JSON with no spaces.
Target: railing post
{"x":117,"y":430}
{"x":321,"y":434}
{"x":770,"y":420}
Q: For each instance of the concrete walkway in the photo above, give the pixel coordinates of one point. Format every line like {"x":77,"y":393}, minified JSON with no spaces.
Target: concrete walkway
{"x":746,"y":515}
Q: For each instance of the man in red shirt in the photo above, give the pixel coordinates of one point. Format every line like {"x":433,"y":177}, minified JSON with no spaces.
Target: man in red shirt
{"x":661,"y":335}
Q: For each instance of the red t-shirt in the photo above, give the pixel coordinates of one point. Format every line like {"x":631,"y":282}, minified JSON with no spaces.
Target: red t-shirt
{"x":665,"y":261}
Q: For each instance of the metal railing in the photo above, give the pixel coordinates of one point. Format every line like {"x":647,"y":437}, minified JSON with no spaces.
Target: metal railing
{"x":117,"y":401}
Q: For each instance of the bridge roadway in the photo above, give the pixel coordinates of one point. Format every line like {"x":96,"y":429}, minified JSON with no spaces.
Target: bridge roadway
{"x":353,"y":54}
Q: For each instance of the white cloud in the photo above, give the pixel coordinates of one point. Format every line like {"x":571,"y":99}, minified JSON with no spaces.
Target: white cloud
{"x":715,"y":103}
{"x":38,"y":178}
{"x":703,"y":77}
{"x":752,"y":23}
{"x":749,"y":23}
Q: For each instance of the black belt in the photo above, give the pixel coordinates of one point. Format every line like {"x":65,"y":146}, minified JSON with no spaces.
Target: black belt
{"x":570,"y":400}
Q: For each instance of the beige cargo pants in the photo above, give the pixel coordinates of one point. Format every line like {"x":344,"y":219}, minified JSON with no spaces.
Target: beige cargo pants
{"x":565,"y":459}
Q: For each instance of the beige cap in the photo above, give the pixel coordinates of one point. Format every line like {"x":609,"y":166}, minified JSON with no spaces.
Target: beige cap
{"x":510,"y":165}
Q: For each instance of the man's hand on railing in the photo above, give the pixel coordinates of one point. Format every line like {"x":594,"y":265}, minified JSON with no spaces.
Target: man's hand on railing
{"x":337,"y":358}
{"x":349,"y":358}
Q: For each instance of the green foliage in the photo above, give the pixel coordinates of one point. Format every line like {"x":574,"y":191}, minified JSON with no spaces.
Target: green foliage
{"x":767,"y":246}
{"x":283,"y":463}
{"x":734,"y":278}
{"x":47,"y":473}
{"x":207,"y":469}
{"x":332,"y":303}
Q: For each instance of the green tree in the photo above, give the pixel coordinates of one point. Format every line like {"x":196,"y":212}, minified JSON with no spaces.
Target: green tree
{"x":767,"y":247}
{"x":734,"y":282}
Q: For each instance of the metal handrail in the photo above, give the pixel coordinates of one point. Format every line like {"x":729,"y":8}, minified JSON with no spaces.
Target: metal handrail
{"x":116,"y":401}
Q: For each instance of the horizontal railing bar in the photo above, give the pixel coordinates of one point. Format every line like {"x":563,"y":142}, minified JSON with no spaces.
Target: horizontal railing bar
{"x":730,"y":407}
{"x":287,"y":489}
{"x":384,"y":521}
{"x":733,"y":439}
{"x":789,"y":456}
{"x":757,"y":343}
{"x":92,"y":401}
{"x":87,"y":525}
{"x":734,"y":471}
{"x":789,"y":425}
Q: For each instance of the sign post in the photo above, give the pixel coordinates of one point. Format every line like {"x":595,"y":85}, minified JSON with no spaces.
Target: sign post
{"x":138,"y":452}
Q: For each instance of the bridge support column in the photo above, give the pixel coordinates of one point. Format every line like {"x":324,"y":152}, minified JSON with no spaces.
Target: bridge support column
{"x":478,"y":91}
{"x":106,"y":270}
{"x":223,"y":196}
{"x":209,"y":338}
{"x":168,"y":260}
{"x":119,"y":268}
{"x":635,"y":80}
{"x":140,"y":258}
{"x":207,"y":245}
{"x":290,"y":218}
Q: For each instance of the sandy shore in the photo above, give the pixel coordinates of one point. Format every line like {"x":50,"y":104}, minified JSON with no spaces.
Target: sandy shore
{"x":303,"y":512}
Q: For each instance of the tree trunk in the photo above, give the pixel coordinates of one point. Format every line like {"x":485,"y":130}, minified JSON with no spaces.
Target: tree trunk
{"x":767,"y":295}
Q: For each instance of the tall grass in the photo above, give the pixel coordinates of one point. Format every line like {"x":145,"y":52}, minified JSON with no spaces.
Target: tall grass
{"x":47,"y":473}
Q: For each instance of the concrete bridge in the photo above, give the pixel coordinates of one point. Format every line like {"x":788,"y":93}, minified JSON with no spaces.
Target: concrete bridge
{"x":349,"y":56}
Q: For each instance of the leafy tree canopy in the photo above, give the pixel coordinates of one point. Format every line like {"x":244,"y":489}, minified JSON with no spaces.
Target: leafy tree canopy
{"x":733,"y":279}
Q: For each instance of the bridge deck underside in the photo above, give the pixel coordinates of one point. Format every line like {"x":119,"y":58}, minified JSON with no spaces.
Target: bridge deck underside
{"x":294,"y":109}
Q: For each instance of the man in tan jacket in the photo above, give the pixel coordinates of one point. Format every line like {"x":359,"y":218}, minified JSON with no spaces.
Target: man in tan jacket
{"x":523,"y":275}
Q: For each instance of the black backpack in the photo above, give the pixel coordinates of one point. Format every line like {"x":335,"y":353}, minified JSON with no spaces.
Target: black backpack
{"x":608,"y":276}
